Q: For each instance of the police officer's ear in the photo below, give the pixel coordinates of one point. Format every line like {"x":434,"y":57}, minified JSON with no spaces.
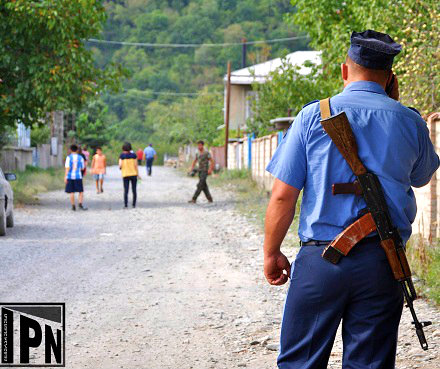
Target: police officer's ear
{"x":344,"y":71}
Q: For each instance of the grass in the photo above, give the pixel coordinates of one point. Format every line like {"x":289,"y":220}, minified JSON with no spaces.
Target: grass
{"x":33,"y":181}
{"x":251,"y":200}
{"x":424,"y":258}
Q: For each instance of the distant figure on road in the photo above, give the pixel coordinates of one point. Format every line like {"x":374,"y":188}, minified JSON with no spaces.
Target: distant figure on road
{"x":99,"y":167}
{"x":73,"y":177}
{"x":86,"y":153}
{"x":206,"y":165}
{"x":140,"y":156}
{"x":86,"y":161}
{"x":150,"y":155}
{"x":130,"y":172}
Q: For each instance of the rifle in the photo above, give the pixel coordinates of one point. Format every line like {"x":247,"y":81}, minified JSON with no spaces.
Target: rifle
{"x":339,"y":130}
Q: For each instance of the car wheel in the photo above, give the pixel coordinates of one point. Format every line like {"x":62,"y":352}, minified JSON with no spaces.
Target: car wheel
{"x":2,"y":221}
{"x":10,"y":220}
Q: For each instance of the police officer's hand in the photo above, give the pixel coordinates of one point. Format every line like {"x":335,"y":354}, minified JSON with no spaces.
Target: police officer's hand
{"x":276,"y":268}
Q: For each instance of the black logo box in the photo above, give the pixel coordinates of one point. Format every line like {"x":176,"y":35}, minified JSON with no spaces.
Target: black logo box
{"x":27,"y":308}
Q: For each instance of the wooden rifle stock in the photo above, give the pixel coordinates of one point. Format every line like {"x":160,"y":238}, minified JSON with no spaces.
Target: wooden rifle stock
{"x":339,"y":129}
{"x":397,"y":260}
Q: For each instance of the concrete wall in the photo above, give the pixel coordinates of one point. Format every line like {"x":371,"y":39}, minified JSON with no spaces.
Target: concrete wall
{"x":218,"y":154}
{"x":13,"y":159}
{"x":428,"y":202}
{"x":44,"y":158}
{"x":263,"y":149}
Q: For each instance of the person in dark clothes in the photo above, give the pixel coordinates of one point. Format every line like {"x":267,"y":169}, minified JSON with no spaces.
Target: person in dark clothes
{"x":206,"y":165}
{"x":130,"y":173}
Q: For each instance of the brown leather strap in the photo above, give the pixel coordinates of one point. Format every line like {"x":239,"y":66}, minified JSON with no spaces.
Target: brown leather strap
{"x":353,"y":188}
{"x":348,"y":238}
{"x":324,"y":106}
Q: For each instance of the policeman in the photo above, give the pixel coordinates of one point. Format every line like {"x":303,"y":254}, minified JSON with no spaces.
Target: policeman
{"x":393,"y":142}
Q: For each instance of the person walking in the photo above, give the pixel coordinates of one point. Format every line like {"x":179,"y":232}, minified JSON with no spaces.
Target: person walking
{"x":140,"y":156}
{"x":84,"y":170}
{"x":86,"y":153}
{"x":130,"y":172}
{"x":73,"y":177}
{"x":150,"y":155}
{"x":393,"y":143}
{"x":99,"y":168}
{"x":206,"y":165}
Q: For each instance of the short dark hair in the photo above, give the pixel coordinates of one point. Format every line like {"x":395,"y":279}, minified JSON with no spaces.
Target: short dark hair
{"x":126,"y":146}
{"x":99,"y":148}
{"x":201,"y":142}
{"x":382,"y":73}
{"x":73,"y":148}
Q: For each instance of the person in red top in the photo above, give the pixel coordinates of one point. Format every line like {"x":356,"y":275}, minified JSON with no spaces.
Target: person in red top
{"x":140,"y":156}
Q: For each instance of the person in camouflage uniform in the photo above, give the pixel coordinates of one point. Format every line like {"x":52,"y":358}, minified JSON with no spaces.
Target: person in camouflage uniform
{"x":206,"y":165}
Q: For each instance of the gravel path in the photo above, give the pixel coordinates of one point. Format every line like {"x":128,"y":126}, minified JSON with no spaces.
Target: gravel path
{"x":166,"y":285}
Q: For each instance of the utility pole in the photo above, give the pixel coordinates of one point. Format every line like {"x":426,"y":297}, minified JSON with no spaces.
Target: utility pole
{"x":228,"y":105}
{"x":244,"y":53}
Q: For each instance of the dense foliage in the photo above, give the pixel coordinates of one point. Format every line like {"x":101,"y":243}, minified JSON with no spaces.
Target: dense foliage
{"x":286,"y":90}
{"x":44,"y":66}
{"x":413,"y":23}
{"x":145,"y":111}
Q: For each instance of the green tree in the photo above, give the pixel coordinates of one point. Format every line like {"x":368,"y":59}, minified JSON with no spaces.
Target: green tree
{"x":44,"y":65}
{"x":91,"y":125}
{"x":414,"y":23}
{"x":40,"y":134}
{"x":419,"y":67}
{"x":286,"y":89}
{"x":184,"y":69}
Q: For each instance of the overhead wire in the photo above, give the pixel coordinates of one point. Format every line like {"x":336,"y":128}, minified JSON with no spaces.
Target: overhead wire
{"x":193,"y":45}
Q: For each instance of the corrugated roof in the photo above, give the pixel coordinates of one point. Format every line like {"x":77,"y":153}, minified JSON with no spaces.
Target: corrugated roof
{"x":259,"y":72}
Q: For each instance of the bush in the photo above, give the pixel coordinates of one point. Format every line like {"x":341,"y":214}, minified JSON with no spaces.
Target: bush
{"x":424,"y":259}
{"x":34,"y":181}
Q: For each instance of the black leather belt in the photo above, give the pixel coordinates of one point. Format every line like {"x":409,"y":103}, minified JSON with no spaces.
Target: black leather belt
{"x":314,"y":243}
{"x":325,"y":243}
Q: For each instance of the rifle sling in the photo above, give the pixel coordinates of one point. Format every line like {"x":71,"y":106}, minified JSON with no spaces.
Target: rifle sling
{"x":362,"y":227}
{"x":324,"y":106}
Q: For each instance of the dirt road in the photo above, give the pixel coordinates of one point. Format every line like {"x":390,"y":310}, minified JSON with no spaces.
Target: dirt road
{"x":165,"y":285}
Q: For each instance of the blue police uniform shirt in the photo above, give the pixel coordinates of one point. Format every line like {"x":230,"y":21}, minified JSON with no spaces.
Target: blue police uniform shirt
{"x":393,"y":142}
{"x":149,"y":152}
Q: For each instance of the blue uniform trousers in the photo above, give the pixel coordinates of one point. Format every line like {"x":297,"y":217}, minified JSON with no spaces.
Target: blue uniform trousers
{"x":360,"y":290}
{"x":149,"y":162}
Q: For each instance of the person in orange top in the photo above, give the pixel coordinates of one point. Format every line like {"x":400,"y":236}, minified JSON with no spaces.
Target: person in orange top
{"x":99,"y":168}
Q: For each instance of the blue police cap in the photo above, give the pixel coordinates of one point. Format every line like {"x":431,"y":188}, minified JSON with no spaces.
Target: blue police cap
{"x":373,"y":50}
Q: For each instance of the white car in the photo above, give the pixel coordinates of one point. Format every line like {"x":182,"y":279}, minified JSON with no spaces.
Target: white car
{"x":6,"y":201}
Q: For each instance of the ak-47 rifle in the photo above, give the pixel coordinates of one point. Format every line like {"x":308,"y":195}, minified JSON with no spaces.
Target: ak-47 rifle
{"x":376,"y":217}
